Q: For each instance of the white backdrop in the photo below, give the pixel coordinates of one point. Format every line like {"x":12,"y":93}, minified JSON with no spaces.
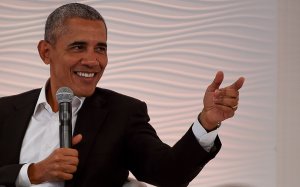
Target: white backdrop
{"x":166,"y":53}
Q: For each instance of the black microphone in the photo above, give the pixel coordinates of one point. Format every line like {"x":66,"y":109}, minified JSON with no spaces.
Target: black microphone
{"x":64,"y":96}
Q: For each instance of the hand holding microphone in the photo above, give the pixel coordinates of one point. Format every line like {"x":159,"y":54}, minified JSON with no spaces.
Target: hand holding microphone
{"x":62,"y":162}
{"x":58,"y":166}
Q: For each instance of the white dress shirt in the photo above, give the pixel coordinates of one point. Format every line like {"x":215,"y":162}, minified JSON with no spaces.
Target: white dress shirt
{"x":42,"y":137}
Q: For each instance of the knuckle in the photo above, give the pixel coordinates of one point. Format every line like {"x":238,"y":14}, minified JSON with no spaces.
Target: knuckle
{"x":75,"y":153}
{"x":69,"y":177}
{"x":57,"y":151}
{"x":56,"y":166}
{"x":55,"y":174}
{"x":233,"y":102}
{"x":73,"y":169}
{"x":76,"y":161}
{"x":56,"y":158}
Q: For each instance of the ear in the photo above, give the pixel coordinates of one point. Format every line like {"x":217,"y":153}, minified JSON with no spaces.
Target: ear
{"x":44,"y":50}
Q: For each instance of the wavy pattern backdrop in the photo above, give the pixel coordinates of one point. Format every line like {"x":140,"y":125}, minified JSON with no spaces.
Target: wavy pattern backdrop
{"x":166,"y":53}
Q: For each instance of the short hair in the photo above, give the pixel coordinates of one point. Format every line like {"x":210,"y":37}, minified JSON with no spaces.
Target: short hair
{"x":56,"y":20}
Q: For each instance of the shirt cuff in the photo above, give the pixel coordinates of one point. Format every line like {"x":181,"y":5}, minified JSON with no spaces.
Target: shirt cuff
{"x":23,"y":179}
{"x":205,"y":139}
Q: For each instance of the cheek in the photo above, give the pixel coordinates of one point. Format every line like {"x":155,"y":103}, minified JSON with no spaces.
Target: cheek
{"x":57,"y":66}
{"x":103,"y":62}
{"x":61,"y":70}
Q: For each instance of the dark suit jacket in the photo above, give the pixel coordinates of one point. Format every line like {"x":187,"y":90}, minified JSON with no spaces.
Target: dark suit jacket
{"x":116,"y":138}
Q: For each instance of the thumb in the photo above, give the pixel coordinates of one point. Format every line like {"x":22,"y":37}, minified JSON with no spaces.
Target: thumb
{"x":216,"y":82}
{"x":76,"y":139}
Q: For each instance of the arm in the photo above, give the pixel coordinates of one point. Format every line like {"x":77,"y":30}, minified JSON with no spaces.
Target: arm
{"x":15,"y":113}
{"x":156,"y":163}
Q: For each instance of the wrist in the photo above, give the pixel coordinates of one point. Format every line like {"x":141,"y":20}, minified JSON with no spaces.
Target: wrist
{"x":206,"y":124}
{"x":34,"y":174}
{"x":22,"y":179}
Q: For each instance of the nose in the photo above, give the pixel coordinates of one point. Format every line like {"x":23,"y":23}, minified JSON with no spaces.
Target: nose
{"x":89,"y":62}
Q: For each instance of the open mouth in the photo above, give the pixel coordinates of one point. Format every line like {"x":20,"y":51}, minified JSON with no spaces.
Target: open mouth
{"x":85,"y":75}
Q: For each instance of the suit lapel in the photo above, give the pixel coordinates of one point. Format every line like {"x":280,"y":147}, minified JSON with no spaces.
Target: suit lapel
{"x":89,"y":120}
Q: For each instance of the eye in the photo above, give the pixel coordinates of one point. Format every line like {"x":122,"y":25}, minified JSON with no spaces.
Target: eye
{"x":77,"y":47}
{"x":101,"y":49}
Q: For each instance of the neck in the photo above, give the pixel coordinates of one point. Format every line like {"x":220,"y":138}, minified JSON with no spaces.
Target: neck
{"x":50,"y":96}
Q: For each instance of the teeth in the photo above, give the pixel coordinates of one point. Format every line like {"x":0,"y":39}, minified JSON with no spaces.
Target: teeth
{"x":88,"y":75}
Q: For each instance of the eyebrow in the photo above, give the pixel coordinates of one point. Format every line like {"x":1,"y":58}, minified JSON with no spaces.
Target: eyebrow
{"x":85,"y":43}
{"x":102,"y":44}
{"x":77,"y":43}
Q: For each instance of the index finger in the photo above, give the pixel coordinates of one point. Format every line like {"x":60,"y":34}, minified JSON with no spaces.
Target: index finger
{"x":237,"y":84}
{"x":68,"y":152}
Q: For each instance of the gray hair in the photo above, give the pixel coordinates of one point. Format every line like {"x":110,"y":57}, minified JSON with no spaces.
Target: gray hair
{"x":55,"y":21}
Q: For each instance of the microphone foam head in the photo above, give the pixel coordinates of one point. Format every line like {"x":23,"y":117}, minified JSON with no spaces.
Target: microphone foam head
{"x":64,"y":95}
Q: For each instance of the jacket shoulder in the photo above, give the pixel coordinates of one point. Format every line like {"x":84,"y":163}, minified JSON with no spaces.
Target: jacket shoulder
{"x":115,"y":97}
{"x":19,"y":98}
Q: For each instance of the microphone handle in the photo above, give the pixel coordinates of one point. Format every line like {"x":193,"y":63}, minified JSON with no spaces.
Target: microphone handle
{"x":65,"y":128}
{"x":65,"y":136}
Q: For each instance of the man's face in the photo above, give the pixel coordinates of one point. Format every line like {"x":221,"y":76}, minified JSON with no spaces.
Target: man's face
{"x":78,"y":58}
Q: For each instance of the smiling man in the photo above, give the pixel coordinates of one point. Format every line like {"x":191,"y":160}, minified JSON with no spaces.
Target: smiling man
{"x":76,"y":53}
{"x":111,"y":131}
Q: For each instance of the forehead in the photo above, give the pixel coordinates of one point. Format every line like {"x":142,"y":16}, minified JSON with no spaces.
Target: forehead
{"x":83,"y":29}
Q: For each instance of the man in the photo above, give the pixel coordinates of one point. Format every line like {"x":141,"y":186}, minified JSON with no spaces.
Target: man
{"x":111,"y":133}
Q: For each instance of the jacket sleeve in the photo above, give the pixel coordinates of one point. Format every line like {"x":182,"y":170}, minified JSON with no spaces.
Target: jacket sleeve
{"x":9,"y":174}
{"x":155,"y":162}
{"x":15,"y":114}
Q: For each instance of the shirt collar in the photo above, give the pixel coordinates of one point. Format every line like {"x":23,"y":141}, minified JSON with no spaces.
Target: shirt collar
{"x":42,"y":103}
